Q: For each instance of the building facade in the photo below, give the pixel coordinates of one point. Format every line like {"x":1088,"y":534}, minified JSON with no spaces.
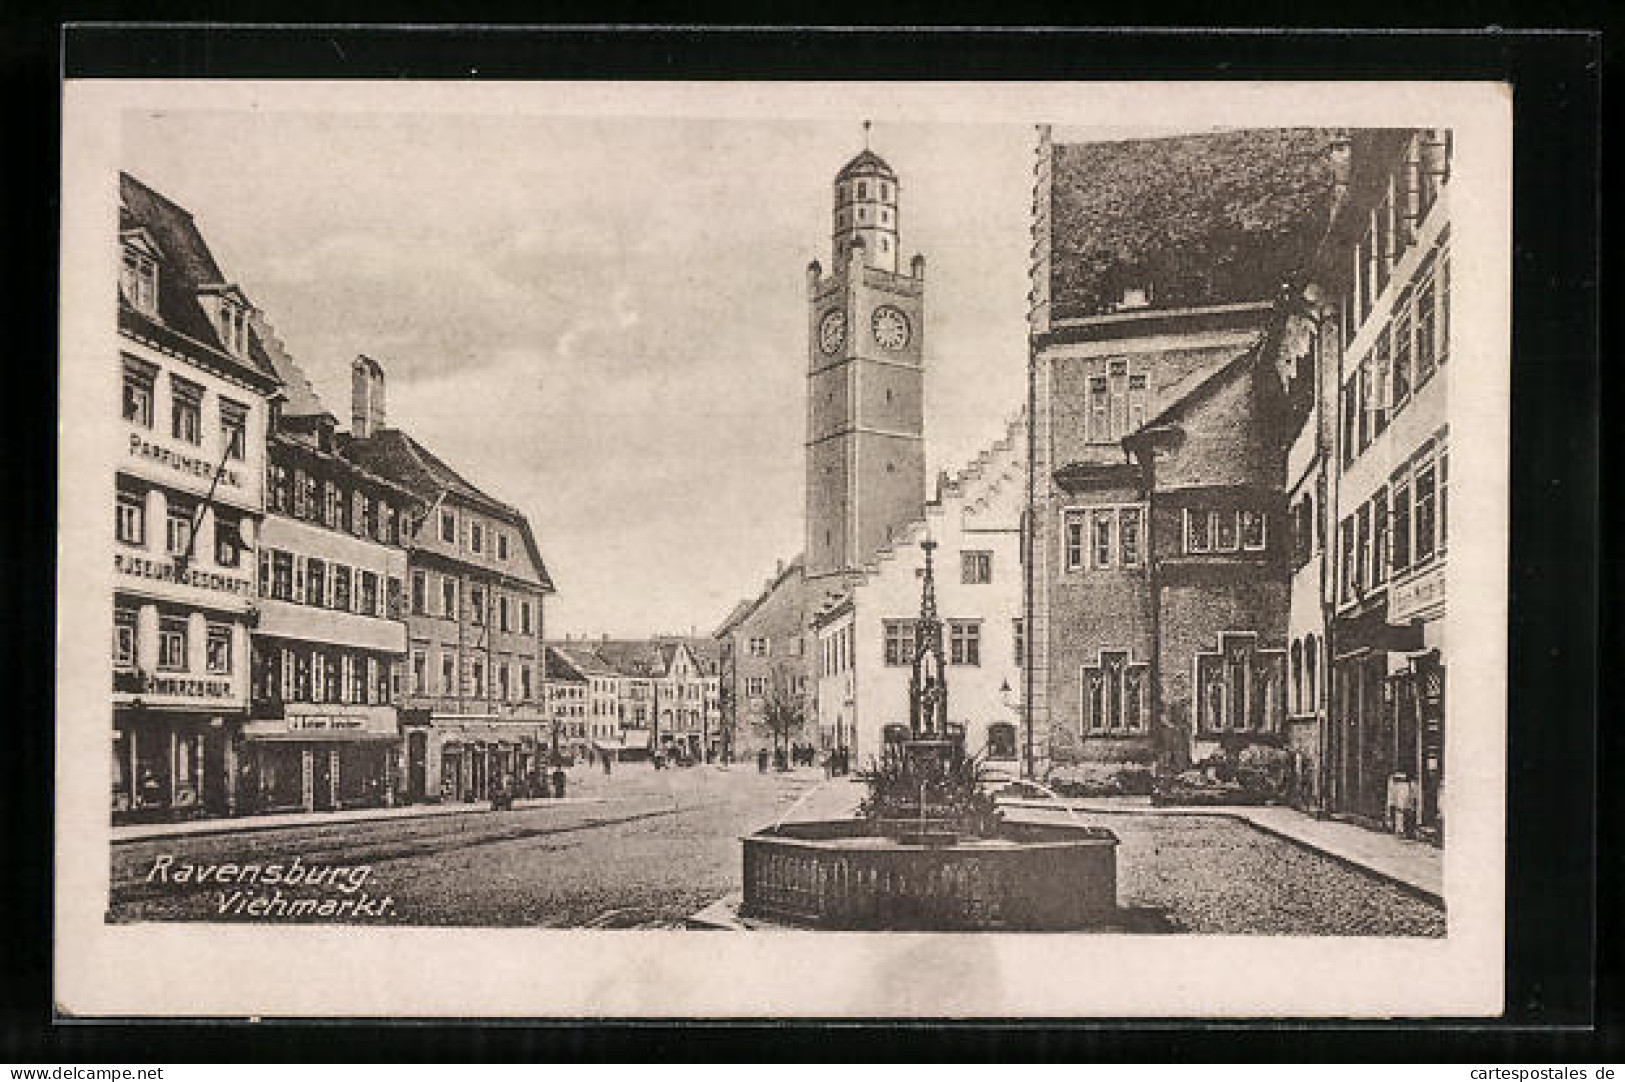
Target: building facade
{"x":764,"y":646}
{"x":865,"y":633}
{"x":196,"y":396}
{"x":473,"y":706}
{"x":1385,"y":272}
{"x":1157,"y":570}
{"x":329,"y":650}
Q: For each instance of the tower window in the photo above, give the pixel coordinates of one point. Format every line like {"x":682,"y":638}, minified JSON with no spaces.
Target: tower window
{"x":885,"y":191}
{"x":884,"y":247}
{"x":863,"y":190}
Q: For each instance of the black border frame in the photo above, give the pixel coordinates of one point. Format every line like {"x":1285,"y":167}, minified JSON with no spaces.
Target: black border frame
{"x":1553,"y":968}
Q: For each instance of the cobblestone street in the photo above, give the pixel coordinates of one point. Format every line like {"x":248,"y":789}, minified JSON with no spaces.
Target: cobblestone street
{"x":646,"y":849}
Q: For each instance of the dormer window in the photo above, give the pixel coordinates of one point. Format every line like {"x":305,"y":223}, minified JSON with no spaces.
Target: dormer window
{"x":139,"y":280}
{"x":233,"y":328}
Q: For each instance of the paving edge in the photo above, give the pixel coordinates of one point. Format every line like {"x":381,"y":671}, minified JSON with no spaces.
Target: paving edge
{"x":248,"y":825}
{"x":1414,"y":889}
{"x":721,"y":915}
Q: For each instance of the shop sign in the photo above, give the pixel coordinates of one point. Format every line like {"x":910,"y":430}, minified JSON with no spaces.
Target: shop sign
{"x":141,"y":447}
{"x":305,"y":723}
{"x":141,"y":567}
{"x":1408,"y":598}
{"x":190,"y":687}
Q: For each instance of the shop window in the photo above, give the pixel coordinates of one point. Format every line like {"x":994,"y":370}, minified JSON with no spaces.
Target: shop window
{"x":975,"y":567}
{"x":964,"y":642}
{"x":130,"y":518}
{"x":139,"y":379}
{"x":218,"y":654}
{"x":234,"y":429}
{"x":1240,"y":686}
{"x":186,"y":410}
{"x":172,"y":643}
{"x":1114,"y":694}
{"x":899,"y":642}
{"x":124,"y":636}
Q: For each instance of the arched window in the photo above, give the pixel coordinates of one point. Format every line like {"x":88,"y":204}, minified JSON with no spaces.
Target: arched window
{"x":1297,"y":677}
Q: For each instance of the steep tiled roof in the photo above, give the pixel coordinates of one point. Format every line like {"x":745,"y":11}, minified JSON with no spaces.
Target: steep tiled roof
{"x":398,"y":457}
{"x":748,"y":606}
{"x":1200,"y":219}
{"x":185,"y":266}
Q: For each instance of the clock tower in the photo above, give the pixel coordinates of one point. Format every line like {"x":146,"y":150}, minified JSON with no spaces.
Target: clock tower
{"x":865,"y":378}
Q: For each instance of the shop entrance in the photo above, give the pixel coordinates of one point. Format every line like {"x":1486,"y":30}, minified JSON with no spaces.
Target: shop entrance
{"x":417,"y":766}
{"x":321,"y":779}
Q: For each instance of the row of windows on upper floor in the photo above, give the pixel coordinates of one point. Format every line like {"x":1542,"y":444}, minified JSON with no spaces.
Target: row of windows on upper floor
{"x":1100,"y":538}
{"x":304,"y":673}
{"x":1408,"y":351}
{"x":174,"y":642}
{"x":474,"y":539}
{"x":298,"y":493}
{"x":1410,"y":190}
{"x":453,"y":682}
{"x":862,"y":189}
{"x":181,"y":518}
{"x":1404,"y":526}
{"x":510,"y":614}
{"x":900,"y":642}
{"x":139,"y":404}
{"x":320,"y":583}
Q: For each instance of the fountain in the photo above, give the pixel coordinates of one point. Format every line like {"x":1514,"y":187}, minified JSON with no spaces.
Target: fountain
{"x":929,"y":849}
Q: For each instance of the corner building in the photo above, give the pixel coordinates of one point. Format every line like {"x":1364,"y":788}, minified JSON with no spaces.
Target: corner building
{"x":196,"y":393}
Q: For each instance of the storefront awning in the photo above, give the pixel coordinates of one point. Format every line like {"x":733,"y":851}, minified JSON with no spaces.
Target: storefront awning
{"x":1371,"y":630}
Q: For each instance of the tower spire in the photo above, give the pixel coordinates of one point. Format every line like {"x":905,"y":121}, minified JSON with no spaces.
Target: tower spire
{"x":866,"y":124}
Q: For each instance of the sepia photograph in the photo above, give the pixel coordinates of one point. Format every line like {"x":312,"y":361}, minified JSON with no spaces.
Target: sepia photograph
{"x":932,"y":530}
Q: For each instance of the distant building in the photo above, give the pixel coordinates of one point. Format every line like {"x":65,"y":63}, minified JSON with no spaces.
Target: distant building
{"x":1159,"y":554}
{"x":197,"y":393}
{"x":866,"y":632}
{"x":474,"y":710}
{"x":763,"y":649}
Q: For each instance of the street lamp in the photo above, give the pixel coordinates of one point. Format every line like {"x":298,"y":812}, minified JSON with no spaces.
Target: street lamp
{"x":1010,"y":704}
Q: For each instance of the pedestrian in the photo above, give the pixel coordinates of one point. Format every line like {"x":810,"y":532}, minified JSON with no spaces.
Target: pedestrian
{"x":761,"y":760}
{"x":558,"y":783}
{"x":606,"y":757}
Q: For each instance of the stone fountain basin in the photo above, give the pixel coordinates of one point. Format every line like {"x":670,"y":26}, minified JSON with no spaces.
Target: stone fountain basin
{"x":840,"y":874}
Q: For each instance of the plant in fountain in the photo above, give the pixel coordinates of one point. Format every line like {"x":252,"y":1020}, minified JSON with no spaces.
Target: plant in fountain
{"x":925,"y":788}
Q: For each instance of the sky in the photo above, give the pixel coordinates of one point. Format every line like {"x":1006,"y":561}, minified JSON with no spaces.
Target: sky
{"x":602,"y":320}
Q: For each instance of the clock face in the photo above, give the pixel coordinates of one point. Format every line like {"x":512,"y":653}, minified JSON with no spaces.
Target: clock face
{"x":832,"y":330}
{"x":891,"y":327}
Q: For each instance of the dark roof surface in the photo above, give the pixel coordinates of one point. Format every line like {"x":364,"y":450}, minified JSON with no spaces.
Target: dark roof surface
{"x":395,"y":455}
{"x":1200,"y":219}
{"x":185,"y":265}
{"x":866,"y":161}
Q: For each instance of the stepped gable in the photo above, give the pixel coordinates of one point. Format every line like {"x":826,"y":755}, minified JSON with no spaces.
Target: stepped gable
{"x":301,"y":398}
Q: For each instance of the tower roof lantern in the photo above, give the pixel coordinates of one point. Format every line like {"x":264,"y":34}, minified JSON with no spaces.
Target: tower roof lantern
{"x":866,"y":163}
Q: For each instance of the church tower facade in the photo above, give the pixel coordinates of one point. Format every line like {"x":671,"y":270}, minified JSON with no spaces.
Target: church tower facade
{"x":865,"y":377}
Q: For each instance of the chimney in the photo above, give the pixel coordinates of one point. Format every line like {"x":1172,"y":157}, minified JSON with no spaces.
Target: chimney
{"x":366,"y":397}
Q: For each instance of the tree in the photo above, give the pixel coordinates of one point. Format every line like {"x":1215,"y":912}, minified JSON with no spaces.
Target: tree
{"x":784,"y":711}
